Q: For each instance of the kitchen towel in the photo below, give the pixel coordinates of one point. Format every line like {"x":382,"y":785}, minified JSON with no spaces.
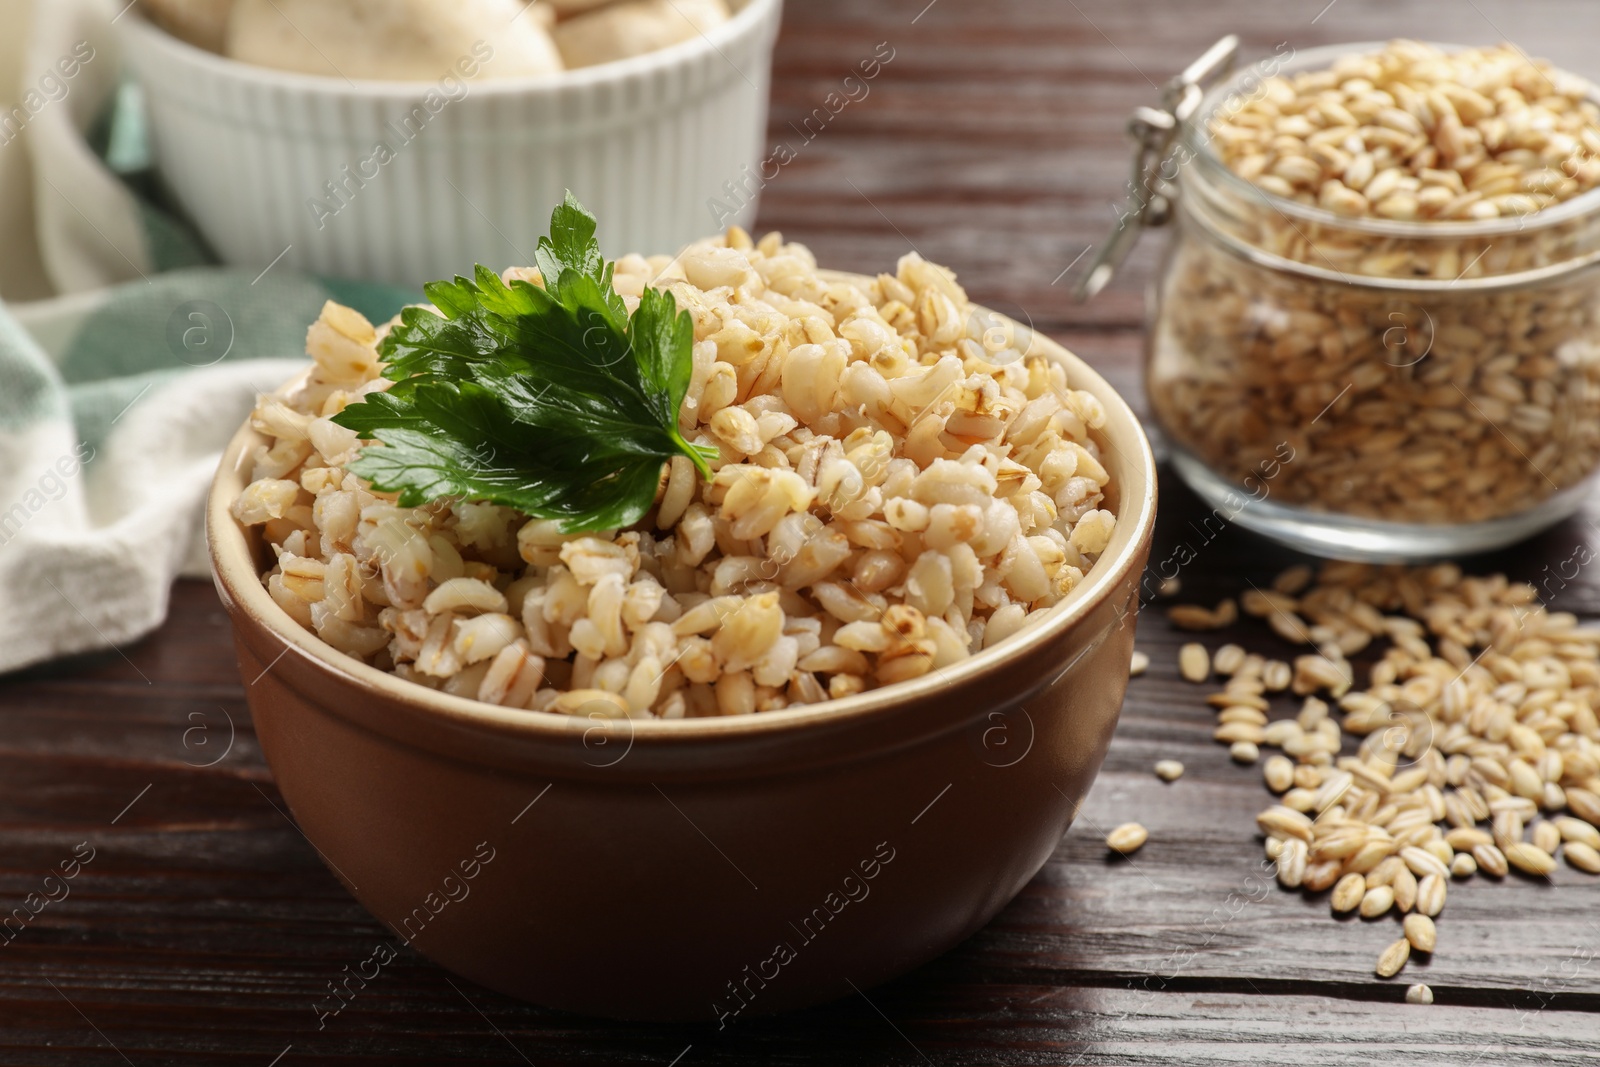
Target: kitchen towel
{"x":118,"y":389}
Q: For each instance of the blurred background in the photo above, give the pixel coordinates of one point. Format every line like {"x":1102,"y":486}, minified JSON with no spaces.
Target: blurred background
{"x":992,"y":141}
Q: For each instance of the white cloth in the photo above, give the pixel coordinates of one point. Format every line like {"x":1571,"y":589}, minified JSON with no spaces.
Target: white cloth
{"x":93,"y":532}
{"x":120,"y":387}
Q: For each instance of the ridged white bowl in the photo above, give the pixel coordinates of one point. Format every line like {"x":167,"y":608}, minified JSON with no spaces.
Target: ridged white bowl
{"x":648,"y":144}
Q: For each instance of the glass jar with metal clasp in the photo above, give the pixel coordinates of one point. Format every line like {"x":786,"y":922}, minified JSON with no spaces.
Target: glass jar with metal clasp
{"x":1357,"y":386}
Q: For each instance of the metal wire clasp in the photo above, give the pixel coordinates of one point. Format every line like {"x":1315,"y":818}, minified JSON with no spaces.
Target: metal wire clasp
{"x":1153,"y":131}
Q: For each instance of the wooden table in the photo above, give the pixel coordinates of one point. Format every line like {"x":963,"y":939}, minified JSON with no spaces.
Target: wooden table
{"x":205,"y":927}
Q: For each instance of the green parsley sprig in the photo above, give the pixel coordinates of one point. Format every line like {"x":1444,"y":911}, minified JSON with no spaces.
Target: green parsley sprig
{"x":553,"y":401}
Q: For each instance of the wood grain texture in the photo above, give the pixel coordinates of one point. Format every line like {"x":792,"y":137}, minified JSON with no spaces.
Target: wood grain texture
{"x":205,"y":928}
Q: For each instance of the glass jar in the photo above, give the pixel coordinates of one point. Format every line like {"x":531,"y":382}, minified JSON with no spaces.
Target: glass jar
{"x":1367,"y":388}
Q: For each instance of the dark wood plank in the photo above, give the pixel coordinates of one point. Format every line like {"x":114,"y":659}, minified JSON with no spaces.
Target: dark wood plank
{"x":932,"y":1017}
{"x":205,"y":927}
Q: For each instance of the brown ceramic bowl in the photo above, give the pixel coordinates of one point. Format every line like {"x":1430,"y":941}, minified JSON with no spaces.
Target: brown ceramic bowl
{"x":703,"y":868}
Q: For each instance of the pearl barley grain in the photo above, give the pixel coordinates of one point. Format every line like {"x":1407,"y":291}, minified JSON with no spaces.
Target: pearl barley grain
{"x":1405,"y":890}
{"x":1433,"y":138}
{"x":1194,"y":662}
{"x":1582,"y":857}
{"x":1393,"y":959}
{"x":1387,"y":834}
{"x":1169,"y":770}
{"x":1421,"y":932}
{"x":1529,"y":859}
{"x":1228,"y":660}
{"x":1378,"y":900}
{"x":1572,"y":829}
{"x":1276,"y":674}
{"x":1431,"y":893}
{"x":1278,"y":772}
{"x":1584,"y":804}
{"x":1443,"y":137}
{"x":1491,"y":860}
{"x":1127,"y":838}
{"x":1348,"y":893}
{"x":1419,"y":994}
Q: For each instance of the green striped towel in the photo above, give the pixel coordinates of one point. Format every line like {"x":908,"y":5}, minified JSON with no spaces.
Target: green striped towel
{"x":116,"y":399}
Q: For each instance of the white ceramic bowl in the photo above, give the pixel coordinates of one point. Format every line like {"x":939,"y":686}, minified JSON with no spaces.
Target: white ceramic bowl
{"x":646,"y":143}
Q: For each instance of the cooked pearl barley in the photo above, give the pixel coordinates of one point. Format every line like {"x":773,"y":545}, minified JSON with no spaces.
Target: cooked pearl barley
{"x":886,"y":502}
{"x":1127,"y":838}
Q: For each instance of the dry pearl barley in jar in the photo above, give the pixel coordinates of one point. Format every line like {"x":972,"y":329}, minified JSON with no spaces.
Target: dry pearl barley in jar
{"x":1376,"y":334}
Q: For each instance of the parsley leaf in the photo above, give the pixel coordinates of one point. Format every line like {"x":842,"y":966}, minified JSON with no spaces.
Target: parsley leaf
{"x":554,"y":400}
